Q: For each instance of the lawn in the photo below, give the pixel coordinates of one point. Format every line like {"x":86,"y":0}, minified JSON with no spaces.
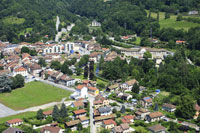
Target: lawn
{"x":33,"y":94}
{"x":13,"y":20}
{"x":21,"y":116}
{"x":171,"y":22}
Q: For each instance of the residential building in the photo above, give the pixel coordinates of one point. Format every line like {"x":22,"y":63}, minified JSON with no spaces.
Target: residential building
{"x":72,"y":124}
{"x":125,"y":127}
{"x":47,"y":113}
{"x":146,"y":102}
{"x":51,"y":129}
{"x":79,"y":113}
{"x":128,"y":119}
{"x":193,"y":13}
{"x":113,"y":87}
{"x":84,"y":121}
{"x":117,"y":129}
{"x":93,"y":90}
{"x":20,"y":70}
{"x":104,"y":111}
{"x":197,"y":109}
{"x":155,"y":116}
{"x":66,"y":80}
{"x":54,"y":77}
{"x":95,"y":23}
{"x":77,"y":104}
{"x":14,"y":122}
{"x":157,"y":129}
{"x":35,"y":69}
{"x":100,"y":101}
{"x":13,"y":130}
{"x":81,"y":92}
{"x":168,"y":107}
{"x":52,"y":48}
{"x":109,"y":124}
{"x":99,"y":119}
{"x":127,"y":86}
{"x":141,"y":113}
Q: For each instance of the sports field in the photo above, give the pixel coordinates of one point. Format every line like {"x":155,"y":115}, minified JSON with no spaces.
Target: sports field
{"x":33,"y":94}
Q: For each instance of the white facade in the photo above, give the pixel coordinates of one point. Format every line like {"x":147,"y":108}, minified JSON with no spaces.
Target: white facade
{"x":52,"y":49}
{"x":14,"y":124}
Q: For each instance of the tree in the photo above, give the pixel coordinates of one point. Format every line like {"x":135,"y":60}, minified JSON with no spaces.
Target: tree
{"x":171,"y":44}
{"x":19,"y":81}
{"x":147,"y":55}
{"x":25,"y":50}
{"x":179,"y":18}
{"x":42,"y":62}
{"x":56,"y":113}
{"x":40,"y":115}
{"x":79,"y":127}
{"x":167,"y":15}
{"x":135,"y":88}
{"x":65,"y":69}
{"x":55,"y":65}
{"x":158,"y":16}
{"x":91,"y":76}
{"x":105,"y":131}
{"x":123,"y":109}
{"x":63,"y":111}
{"x":5,"y":84}
{"x":101,"y":62}
{"x":86,"y":72}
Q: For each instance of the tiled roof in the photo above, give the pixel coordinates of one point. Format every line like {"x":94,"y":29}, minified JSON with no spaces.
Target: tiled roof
{"x":13,"y":130}
{"x":14,"y":121}
{"x":78,"y":104}
{"x":48,"y":112}
{"x":131,"y":82}
{"x":79,"y":87}
{"x":124,"y":126}
{"x":128,"y":117}
{"x":35,"y":67}
{"x":50,"y":129}
{"x":98,"y":118}
{"x":92,"y":88}
{"x":156,"y":128}
{"x":97,"y":102}
{"x":20,"y":69}
{"x":104,"y":109}
{"x":72,"y":123}
{"x":81,"y":111}
{"x":83,"y":118}
{"x":147,"y":99}
{"x":156,"y":114}
{"x":109,"y":122}
{"x":167,"y":105}
{"x":118,"y":129}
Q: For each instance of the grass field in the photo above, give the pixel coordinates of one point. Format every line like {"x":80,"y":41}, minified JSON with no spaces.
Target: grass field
{"x":171,"y":22}
{"x":13,"y":20}
{"x":33,"y":94}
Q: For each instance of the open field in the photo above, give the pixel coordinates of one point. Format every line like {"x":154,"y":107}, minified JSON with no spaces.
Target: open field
{"x":13,"y":20}
{"x":171,"y":22}
{"x":33,"y":94}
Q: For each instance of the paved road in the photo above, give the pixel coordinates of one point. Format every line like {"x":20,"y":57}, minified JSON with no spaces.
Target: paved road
{"x":92,"y":126}
{"x":5,"y":110}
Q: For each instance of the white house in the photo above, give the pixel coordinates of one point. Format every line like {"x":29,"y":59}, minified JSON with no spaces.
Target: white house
{"x":169,"y":107}
{"x":35,"y":69}
{"x":81,"y":92}
{"x":155,"y":116}
{"x":95,"y":23}
{"x":84,"y":121}
{"x":20,"y":70}
{"x":14,"y":122}
{"x":104,"y":111}
{"x":127,"y":86}
{"x":67,"y":81}
{"x":52,"y":48}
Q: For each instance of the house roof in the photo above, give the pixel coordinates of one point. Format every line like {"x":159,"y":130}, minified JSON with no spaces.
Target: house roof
{"x":35,"y":67}
{"x":118,"y":129}
{"x":99,"y":118}
{"x":113,"y":86}
{"x":20,"y":69}
{"x":156,"y":128}
{"x":72,"y":123}
{"x":81,"y":111}
{"x":131,"y":82}
{"x":13,"y":130}
{"x":48,"y":112}
{"x":83,"y":118}
{"x":124,"y":126}
{"x":104,"y":109}
{"x":197,"y":107}
{"x":109,"y":122}
{"x":99,"y":97}
{"x":167,"y":105}
{"x":155,"y":114}
{"x":147,"y":99}
{"x":25,"y":55}
{"x":78,"y":104}
{"x":50,"y":129}
{"x":92,"y":88}
{"x":128,"y":117}
{"x":79,"y":87}
{"x":14,"y":121}
{"x":97,"y":102}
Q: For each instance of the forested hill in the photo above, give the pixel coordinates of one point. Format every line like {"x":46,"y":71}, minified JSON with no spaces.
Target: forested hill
{"x":118,"y":17}
{"x":34,"y":16}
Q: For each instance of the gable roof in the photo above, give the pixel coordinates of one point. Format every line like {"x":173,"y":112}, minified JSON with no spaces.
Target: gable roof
{"x":81,"y":111}
{"x":109,"y":122}
{"x":124,"y":126}
{"x":83,"y":118}
{"x":50,"y":129}
{"x":118,"y":129}
{"x":78,"y":104}
{"x":99,"y":118}
{"x":155,"y":114}
{"x":128,"y":117}
{"x":104,"y":109}
{"x":13,"y":121}
{"x":92,"y":88}
{"x":79,"y":87}
{"x":20,"y":69}
{"x":131,"y":82}
{"x":72,"y":123}
{"x":12,"y":130}
{"x":167,"y":105}
{"x":147,"y":99}
{"x":156,"y":128}
{"x":48,"y":112}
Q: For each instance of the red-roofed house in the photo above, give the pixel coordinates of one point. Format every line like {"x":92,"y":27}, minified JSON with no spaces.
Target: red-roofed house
{"x":20,"y":70}
{"x":47,"y":113}
{"x":50,"y":129}
{"x":14,"y":122}
{"x":108,"y":124}
{"x":93,"y":90}
{"x":146,"y":102}
{"x":79,"y":113}
{"x":128,"y":119}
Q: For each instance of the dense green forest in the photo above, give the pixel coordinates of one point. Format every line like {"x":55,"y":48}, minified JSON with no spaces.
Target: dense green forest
{"x":36,"y":18}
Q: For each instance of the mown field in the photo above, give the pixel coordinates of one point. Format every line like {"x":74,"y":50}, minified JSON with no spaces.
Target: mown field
{"x":33,"y":94}
{"x":13,"y":20}
{"x":171,"y":22}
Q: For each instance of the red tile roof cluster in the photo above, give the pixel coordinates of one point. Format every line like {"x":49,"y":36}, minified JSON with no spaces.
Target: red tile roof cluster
{"x":81,"y":111}
{"x":20,"y":69}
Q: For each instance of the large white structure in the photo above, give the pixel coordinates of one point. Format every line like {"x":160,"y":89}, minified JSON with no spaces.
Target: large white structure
{"x":69,"y":47}
{"x":81,"y":92}
{"x":54,"y":48}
